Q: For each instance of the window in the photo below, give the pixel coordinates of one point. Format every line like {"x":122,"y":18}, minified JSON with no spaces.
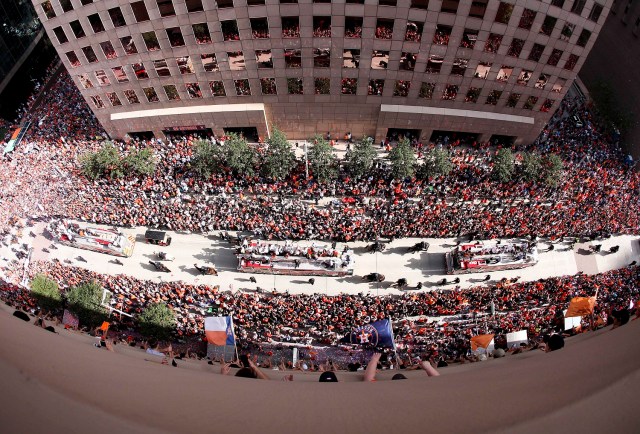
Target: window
{"x":434,"y":64}
{"x":217,"y":88}
{"x":242,"y":87}
{"x":493,"y":97}
{"x":255,"y":2}
{"x":376,"y":87}
{"x":408,"y":61}
{"x":384,"y":28}
{"x":379,"y":59}
{"x":536,"y":52}
{"x":414,"y":31}
{"x":350,"y":58}
{"x":349,"y":86}
{"x":236,"y":60}
{"x":151,"y":94}
{"x":119,"y":74}
{"x":426,"y":90}
{"x":401,"y":88}
{"x":482,"y":70}
{"x":97,"y":101}
{"x":504,"y":73}
{"x":77,"y":29}
{"x":116,"y":17}
{"x":209,"y":62}
{"x":578,"y":6}
{"x":288,"y":1}
{"x":596,"y":11}
{"x":140,"y":71}
{"x":546,"y":105}
{"x":108,"y":50}
{"x":322,"y":86}
{"x":527,"y":18}
{"x":387,"y":2}
{"x":352,"y":27}
{"x":201,"y":33}
{"x":450,"y":92}
{"x":193,"y":90}
{"x":524,"y":77}
{"x":493,"y":43}
{"x":151,"y":41}
{"x":268,"y":86}
{"x":86,"y":2}
{"x":73,"y":59}
{"x":131,"y":96}
{"x":321,"y":58}
{"x":557,"y":87}
{"x":96,"y":23}
{"x":469,"y":38}
{"x":449,"y":6}
{"x":195,"y":5}
{"x":420,"y":4}
{"x":357,"y":2}
{"x":263,"y":59}
{"x":542,"y":81}
{"x":571,"y":62}
{"x":442,"y":34}
{"x":567,"y":31}
{"x":322,"y":27}
{"x":478,"y":8}
{"x":290,"y":27}
{"x":548,"y":25}
{"x":555,"y":57}
{"x":48,"y":9}
{"x":504,"y":13}
{"x":293,"y":58}
{"x":294,"y":86}
{"x":162,"y":69}
{"x":128,"y":45}
{"x":113,"y":99}
{"x":140,"y":11}
{"x":472,"y":95}
{"x":89,"y":54}
{"x":513,"y":99}
{"x":60,"y":34}
{"x":66,"y":5}
{"x":515,"y":48}
{"x":172,"y":92}
{"x":175,"y":37}
{"x":224,"y":4}
{"x":166,"y":9}
{"x":230,"y":30}
{"x":84,"y":81}
{"x":259,"y":28}
{"x":557,"y":3}
{"x":531,"y":101}
{"x":583,"y":38}
{"x":459,"y":66}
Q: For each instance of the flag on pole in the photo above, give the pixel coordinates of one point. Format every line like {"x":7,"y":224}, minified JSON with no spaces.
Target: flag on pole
{"x":581,"y":306}
{"x":378,"y":333}
{"x":219,"y":330}
{"x":481,"y":341}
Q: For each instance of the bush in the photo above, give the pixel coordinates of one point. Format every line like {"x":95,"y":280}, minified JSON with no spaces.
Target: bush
{"x":359,"y":159}
{"x":403,"y":160}
{"x":503,"y":165}
{"x":157,"y":321}
{"x":84,"y":300}
{"x":46,"y":293}
{"x":140,"y":162}
{"x":436,"y":163}
{"x":552,"y":169}
{"x":531,"y":167}
{"x":208,"y":158}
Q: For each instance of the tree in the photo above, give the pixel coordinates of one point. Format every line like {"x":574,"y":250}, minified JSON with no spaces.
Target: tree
{"x":552,"y":169}
{"x":157,"y":321}
{"x":46,"y":292}
{"x":84,"y":300}
{"x":140,"y":162}
{"x":239,"y":156}
{"x":403,"y":160}
{"x":503,"y":165}
{"x":208,"y":158}
{"x":436,"y":163}
{"x":279,"y":158}
{"x":359,"y":159}
{"x":531,"y":167}
{"x":105,"y":162}
{"x":322,"y":161}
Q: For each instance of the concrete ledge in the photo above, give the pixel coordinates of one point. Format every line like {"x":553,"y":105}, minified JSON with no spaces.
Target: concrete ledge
{"x":221,"y":108}
{"x":440,"y":111}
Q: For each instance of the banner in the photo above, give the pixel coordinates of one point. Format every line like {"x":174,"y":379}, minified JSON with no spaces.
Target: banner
{"x":481,"y":341}
{"x":376,"y":334}
{"x":219,"y":330}
{"x":581,"y":306}
{"x":516,"y":338}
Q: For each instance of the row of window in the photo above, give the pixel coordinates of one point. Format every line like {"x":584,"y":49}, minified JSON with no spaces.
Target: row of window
{"x":322,"y":86}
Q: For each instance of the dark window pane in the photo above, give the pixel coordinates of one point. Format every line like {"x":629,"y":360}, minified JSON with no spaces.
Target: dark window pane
{"x":175,"y":37}
{"x":596,"y":11}
{"x":578,"y":6}
{"x":526,"y":20}
{"x":60,"y":35}
{"x":151,"y":41}
{"x":201,"y":33}
{"x":259,"y":28}
{"x":77,"y":29}
{"x":128,"y":45}
{"x":48,"y":9}
{"x":89,"y":54}
{"x":166,"y":8}
{"x":420,"y":4}
{"x":584,"y":38}
{"x":504,"y":13}
{"x":73,"y":59}
{"x":478,"y":8}
{"x":66,"y":5}
{"x":230,"y":30}
{"x":450,"y":6}
{"x":224,"y":3}
{"x":548,"y":25}
{"x":536,"y":52}
{"x":194,"y":5}
{"x":116,"y":17}
{"x":96,"y":23}
{"x":140,"y":11}
{"x":557,"y":3}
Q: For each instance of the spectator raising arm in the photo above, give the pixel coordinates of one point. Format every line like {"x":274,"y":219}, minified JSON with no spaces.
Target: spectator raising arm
{"x":370,"y":373}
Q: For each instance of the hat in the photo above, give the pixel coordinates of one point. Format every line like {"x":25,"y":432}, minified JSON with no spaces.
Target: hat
{"x":399,"y":377}
{"x":328,"y":377}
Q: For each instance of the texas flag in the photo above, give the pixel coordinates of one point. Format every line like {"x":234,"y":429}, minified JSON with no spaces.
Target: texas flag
{"x":219,"y":330}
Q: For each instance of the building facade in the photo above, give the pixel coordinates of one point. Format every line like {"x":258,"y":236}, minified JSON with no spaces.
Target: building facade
{"x":475,"y":70}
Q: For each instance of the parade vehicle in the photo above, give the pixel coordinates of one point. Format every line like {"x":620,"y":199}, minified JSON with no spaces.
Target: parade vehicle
{"x":158,"y":238}
{"x":491,"y":255}
{"x":254,"y":247}
{"x":109,"y":241}
{"x":296,"y":266}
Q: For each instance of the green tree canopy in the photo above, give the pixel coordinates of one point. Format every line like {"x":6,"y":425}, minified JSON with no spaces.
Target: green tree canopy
{"x":552,"y":169}
{"x":531,"y":167}
{"x":84,"y":300}
{"x":403,"y":160}
{"x":503,"y":165}
{"x":140,"y":162}
{"x":322,"y":161}
{"x":360,"y":158}
{"x":157,"y":321}
{"x":239,"y":156}
{"x":46,"y":292}
{"x":208,"y":158}
{"x":279,"y":158}
{"x":436,"y":163}
{"x":104,"y":163}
